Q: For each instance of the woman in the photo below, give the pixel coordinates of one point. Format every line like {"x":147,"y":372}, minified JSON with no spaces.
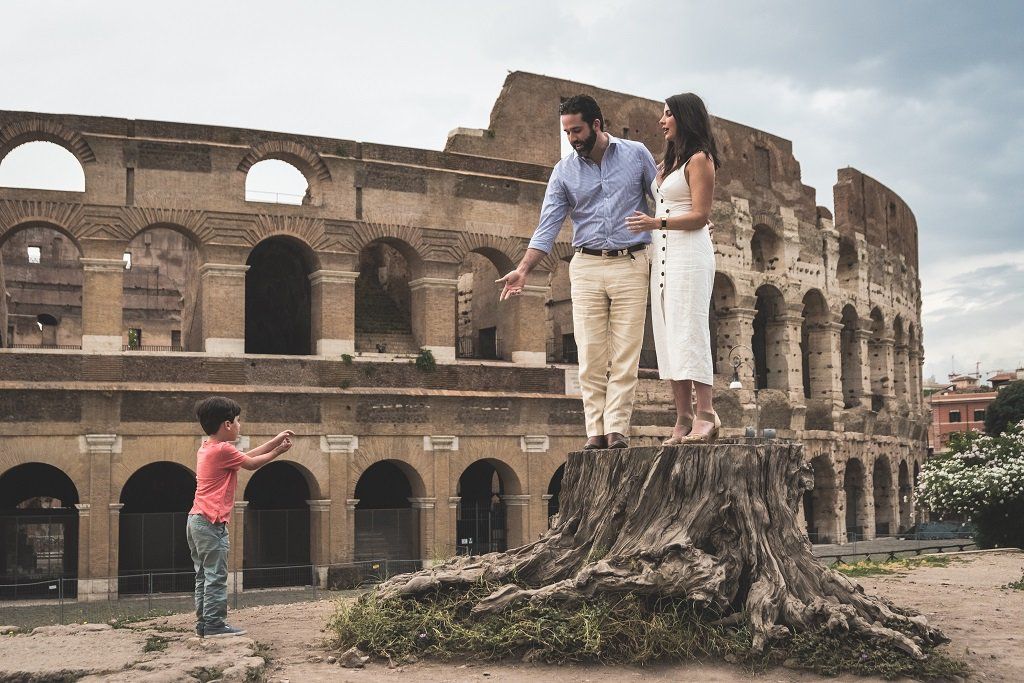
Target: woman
{"x":683,"y":265}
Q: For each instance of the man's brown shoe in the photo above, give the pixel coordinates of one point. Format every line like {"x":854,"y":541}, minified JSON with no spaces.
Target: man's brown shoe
{"x":595,"y":443}
{"x":616,"y":440}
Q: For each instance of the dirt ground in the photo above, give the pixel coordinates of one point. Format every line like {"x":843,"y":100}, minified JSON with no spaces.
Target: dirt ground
{"x":984,"y":621}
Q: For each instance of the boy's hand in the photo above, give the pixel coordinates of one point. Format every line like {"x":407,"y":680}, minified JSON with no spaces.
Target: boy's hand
{"x":286,"y":443}
{"x":286,"y":434}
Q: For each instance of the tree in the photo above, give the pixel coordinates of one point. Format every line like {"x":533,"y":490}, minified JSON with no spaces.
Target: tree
{"x":981,"y":478}
{"x":1006,"y":409}
{"x":711,"y":527}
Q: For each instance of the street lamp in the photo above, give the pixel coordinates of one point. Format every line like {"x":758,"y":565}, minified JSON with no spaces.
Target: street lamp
{"x":736,"y":362}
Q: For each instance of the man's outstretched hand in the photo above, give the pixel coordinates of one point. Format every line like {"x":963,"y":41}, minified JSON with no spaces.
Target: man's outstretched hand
{"x":514,"y":283}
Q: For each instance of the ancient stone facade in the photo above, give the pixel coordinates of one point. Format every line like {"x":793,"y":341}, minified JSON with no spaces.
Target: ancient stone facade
{"x":311,"y":315}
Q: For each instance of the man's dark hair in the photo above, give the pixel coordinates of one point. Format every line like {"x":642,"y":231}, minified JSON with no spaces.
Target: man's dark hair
{"x":215,"y":411}
{"x":585,"y":106}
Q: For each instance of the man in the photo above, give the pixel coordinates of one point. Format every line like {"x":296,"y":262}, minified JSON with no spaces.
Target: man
{"x":599,"y":185}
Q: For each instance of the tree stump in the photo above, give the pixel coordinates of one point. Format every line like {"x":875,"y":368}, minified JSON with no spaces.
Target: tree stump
{"x":714,"y":524}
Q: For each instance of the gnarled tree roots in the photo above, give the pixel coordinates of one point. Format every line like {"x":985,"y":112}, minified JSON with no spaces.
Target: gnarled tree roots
{"x":715,"y":525}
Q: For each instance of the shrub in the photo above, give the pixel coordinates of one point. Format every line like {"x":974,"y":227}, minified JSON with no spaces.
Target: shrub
{"x":980,"y":478}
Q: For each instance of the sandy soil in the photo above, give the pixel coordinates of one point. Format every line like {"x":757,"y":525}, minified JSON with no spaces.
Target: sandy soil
{"x":984,"y":621}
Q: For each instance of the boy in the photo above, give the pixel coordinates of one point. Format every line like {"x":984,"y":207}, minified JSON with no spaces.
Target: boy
{"x":217,"y":464}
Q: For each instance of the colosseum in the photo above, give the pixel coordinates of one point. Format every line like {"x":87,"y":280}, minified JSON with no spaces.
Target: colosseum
{"x":162,"y":281}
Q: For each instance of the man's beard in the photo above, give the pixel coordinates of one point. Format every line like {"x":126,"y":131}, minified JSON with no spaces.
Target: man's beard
{"x":585,"y":147}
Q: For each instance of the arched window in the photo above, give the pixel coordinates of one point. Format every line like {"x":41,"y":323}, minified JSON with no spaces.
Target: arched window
{"x":42,"y":165}
{"x":276,"y":182}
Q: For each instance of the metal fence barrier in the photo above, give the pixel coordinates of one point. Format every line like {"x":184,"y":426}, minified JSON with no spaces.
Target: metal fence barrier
{"x":138,"y":596}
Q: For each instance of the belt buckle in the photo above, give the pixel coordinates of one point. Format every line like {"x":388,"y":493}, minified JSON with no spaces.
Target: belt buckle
{"x":604,"y":253}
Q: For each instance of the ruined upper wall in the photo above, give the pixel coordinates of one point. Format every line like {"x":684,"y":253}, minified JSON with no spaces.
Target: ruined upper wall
{"x":867,"y":207}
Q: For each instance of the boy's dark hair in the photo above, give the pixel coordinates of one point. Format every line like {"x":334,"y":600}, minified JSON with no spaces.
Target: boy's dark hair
{"x":585,"y":106}
{"x":215,"y":411}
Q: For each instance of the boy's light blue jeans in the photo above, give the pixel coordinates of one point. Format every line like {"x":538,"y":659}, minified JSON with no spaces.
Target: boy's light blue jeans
{"x":209,"y":545}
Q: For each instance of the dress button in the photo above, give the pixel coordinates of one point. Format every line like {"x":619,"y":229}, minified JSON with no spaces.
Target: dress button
{"x":663,"y":248}
{"x":663,"y":272}
{"x":662,"y":284}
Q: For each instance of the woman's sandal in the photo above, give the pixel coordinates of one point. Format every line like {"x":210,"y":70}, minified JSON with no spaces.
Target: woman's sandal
{"x":711,"y":436}
{"x":682,"y":421}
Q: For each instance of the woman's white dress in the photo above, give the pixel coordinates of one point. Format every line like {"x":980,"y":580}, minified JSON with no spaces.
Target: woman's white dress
{"x":682,"y":277}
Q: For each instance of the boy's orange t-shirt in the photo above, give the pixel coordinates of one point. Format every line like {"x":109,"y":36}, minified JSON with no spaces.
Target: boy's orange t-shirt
{"x":217,"y":466}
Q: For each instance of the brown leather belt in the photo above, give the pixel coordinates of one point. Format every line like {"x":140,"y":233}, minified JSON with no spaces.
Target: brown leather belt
{"x":625,"y":251}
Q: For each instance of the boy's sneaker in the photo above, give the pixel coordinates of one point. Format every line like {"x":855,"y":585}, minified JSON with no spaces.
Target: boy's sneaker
{"x":222,"y":630}
{"x":200,"y":630}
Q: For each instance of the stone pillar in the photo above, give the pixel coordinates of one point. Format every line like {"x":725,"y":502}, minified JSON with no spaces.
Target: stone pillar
{"x":868,"y":511}
{"x":916,"y":361}
{"x":736,"y":329}
{"x":882,"y":369}
{"x":339,"y":448}
{"x":83,"y":544}
{"x":350,"y":531}
{"x":101,"y":544}
{"x":433,"y":316}
{"x":863,"y":380}
{"x":517,"y":519}
{"x":527,"y":313}
{"x":453,"y":522}
{"x":826,"y":362}
{"x":114,"y":535}
{"x":320,"y":537}
{"x":333,"y":295}
{"x":427,"y":521}
{"x":102,"y":303}
{"x":901,"y":373}
{"x":236,"y":557}
{"x":840,"y":512}
{"x":787,"y":328}
{"x":222,"y":301}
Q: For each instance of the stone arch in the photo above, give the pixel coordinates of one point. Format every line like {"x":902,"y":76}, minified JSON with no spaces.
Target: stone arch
{"x":882,"y":491}
{"x":305,"y":159}
{"x":820,"y":504}
{"x":278,"y":532}
{"x":816,"y":346}
{"x":387,"y":524}
{"x":852,"y":366}
{"x":22,"y":223}
{"x":32,"y":130}
{"x":407,"y":240}
{"x":42,"y":165}
{"x":278,"y":297}
{"x":723,"y":300}
{"x":156,"y":499}
{"x":388,"y":266}
{"x":503,"y":252}
{"x":766,"y":254}
{"x":771,"y":368}
{"x":127,"y":468}
{"x":29,"y":516}
{"x":854,"y":480}
{"x":482,"y":520}
{"x":481,"y":329}
{"x":416,"y":481}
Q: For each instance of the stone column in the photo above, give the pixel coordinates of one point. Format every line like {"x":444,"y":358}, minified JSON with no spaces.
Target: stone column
{"x":350,"y":523}
{"x":840,"y":512}
{"x":517,"y":520}
{"x":453,"y":522}
{"x":863,"y":381}
{"x":901,"y":373}
{"x":826,"y":362}
{"x":84,"y":577}
{"x":868,"y":511}
{"x":787,"y":328}
{"x":425,"y":508}
{"x":433,"y":316}
{"x":882,"y":368}
{"x":736,"y":329}
{"x":101,"y":544}
{"x":114,"y":536}
{"x":222,"y":301}
{"x":915,"y":380}
{"x":339,"y":448}
{"x":527,"y":314}
{"x":102,"y":303}
{"x":320,"y":537}
{"x":236,"y":558}
{"x":333,"y":294}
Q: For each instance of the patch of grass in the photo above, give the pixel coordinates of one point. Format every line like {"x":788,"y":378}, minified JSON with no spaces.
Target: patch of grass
{"x":1017,"y":585}
{"x":870,"y":567}
{"x":205,"y":674}
{"x":155,"y":644}
{"x":627,"y":629}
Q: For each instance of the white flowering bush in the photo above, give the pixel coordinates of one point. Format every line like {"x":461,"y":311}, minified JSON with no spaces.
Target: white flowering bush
{"x":980,"y":478}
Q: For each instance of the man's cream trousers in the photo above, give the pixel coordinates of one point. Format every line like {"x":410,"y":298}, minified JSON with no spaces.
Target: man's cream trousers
{"x":609,"y":307}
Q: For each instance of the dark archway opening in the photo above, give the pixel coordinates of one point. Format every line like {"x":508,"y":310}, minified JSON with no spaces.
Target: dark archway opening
{"x":386,"y":524}
{"x":277,"y":299}
{"x":153,"y":554}
{"x":853,"y":485}
{"x":881,"y":481}
{"x":481,"y":527}
{"x":277,"y":528}
{"x":39,"y":532}
{"x":554,"y":491}
{"x":383,"y":321}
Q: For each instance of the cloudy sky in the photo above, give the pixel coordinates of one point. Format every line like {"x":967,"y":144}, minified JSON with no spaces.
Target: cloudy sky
{"x":927,"y":97}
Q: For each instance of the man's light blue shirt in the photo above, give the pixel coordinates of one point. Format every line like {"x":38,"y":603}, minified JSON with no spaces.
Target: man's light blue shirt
{"x":597,"y":198}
